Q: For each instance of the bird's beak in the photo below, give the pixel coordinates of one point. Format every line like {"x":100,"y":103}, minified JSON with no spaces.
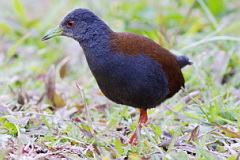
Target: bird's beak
{"x":53,"y":33}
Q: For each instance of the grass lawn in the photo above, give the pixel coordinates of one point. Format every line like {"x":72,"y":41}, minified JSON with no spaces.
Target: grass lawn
{"x":51,"y":107}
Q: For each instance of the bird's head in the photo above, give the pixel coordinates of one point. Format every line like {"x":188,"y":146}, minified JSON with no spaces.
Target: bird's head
{"x":80,"y":24}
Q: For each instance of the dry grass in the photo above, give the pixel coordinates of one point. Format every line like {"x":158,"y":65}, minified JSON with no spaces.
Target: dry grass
{"x":51,"y":107}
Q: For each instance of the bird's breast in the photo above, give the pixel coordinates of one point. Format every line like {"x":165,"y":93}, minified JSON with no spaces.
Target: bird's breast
{"x":137,"y":80}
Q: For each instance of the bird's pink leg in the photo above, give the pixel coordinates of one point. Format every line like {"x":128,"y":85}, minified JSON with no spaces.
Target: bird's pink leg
{"x":142,"y":119}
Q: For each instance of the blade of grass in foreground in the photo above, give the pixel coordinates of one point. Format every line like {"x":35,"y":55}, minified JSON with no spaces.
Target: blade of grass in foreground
{"x":217,"y":38}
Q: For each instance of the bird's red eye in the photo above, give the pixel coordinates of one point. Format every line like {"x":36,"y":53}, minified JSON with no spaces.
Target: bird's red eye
{"x":70,"y":23}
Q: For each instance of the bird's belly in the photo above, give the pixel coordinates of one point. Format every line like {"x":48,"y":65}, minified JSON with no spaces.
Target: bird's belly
{"x":137,"y":81}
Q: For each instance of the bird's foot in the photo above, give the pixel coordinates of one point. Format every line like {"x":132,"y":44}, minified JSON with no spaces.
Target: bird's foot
{"x":133,"y":139}
{"x":142,"y":120}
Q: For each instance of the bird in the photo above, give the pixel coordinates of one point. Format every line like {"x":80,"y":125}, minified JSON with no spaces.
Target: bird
{"x":130,"y":69}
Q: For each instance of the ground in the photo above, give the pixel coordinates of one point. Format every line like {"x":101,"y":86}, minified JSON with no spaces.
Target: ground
{"x":52,"y":108}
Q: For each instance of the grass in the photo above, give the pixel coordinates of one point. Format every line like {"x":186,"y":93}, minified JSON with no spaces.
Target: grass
{"x":46,"y":84}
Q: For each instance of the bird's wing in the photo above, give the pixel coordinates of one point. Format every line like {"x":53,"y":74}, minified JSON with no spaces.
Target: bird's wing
{"x":133,"y":44}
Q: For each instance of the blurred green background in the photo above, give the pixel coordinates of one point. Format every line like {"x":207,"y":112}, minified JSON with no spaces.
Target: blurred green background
{"x":207,"y":31}
{"x":194,"y":28}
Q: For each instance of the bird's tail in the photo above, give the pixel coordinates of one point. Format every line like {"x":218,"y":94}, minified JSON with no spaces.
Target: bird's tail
{"x":183,"y":61}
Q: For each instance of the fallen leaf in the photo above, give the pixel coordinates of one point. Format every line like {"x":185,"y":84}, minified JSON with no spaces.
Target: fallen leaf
{"x":148,"y":156}
{"x":50,"y":83}
{"x":58,"y":101}
{"x":231,"y":133}
{"x":78,"y":106}
{"x":195,"y":133}
{"x":188,"y":148}
{"x":101,"y":107}
{"x":63,"y":67}
{"x":20,"y":99}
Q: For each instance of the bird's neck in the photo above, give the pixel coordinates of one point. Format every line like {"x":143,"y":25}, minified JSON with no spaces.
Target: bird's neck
{"x":97,"y":50}
{"x":97,"y":39}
